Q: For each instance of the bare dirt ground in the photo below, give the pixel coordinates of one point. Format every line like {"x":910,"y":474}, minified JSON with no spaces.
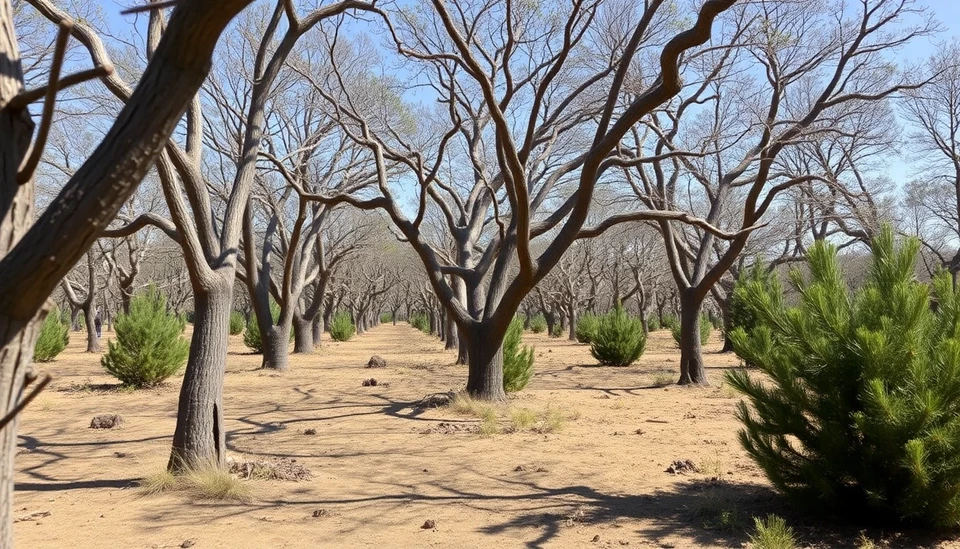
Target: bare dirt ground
{"x":381,"y":467}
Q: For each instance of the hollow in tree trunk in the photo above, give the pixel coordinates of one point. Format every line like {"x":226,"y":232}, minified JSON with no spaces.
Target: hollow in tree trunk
{"x":199,"y":439}
{"x":692,"y":371}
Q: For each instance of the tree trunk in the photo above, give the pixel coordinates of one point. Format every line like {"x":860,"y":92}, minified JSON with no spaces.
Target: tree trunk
{"x":551,"y":323}
{"x":90,"y":316}
{"x":16,"y":357}
{"x":318,"y":331}
{"x":199,"y":439}
{"x":692,"y":371}
{"x":74,"y":318}
{"x":727,"y":326}
{"x":485,"y":376}
{"x":303,"y":335}
{"x":463,"y":349}
{"x":450,"y":331}
{"x":276,"y":347}
{"x":573,"y":324}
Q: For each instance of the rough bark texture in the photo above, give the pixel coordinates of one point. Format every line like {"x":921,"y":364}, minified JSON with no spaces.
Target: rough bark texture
{"x":573,"y":324}
{"x":89,"y":316}
{"x":485,"y":377}
{"x":276,"y":347}
{"x":452,"y":338}
{"x":692,"y":371}
{"x":199,"y":438}
{"x":302,"y":335}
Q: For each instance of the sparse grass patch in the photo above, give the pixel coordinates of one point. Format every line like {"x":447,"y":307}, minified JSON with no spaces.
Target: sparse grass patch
{"x":215,"y":483}
{"x":713,"y":468}
{"x":159,"y":481}
{"x":466,"y":405}
{"x":662,"y":380}
{"x":719,"y":513}
{"x":522,"y":419}
{"x":489,"y":423}
{"x":551,"y":421}
{"x":772,"y":533}
{"x":203,"y":482}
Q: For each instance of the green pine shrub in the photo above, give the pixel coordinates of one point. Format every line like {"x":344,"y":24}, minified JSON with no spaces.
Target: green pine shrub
{"x":619,"y":340}
{"x":341,"y":327}
{"x":237,"y":323}
{"x":252,"y":337}
{"x":386,"y":318}
{"x":653,"y":324}
{"x":517,"y":359}
{"x":53,"y":338}
{"x":538,"y":324}
{"x":772,"y":533}
{"x":587,"y":326}
{"x":860,"y":409}
{"x":150,"y":346}
{"x":705,"y":328}
{"x":670,"y":322}
{"x":742,"y":313}
{"x":420,"y":321}
{"x":557,"y":330}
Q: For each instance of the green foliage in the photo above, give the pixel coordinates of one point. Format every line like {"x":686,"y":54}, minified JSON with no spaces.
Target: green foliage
{"x":653,"y":324}
{"x":587,"y":327}
{"x":772,"y":533}
{"x":53,"y":338}
{"x":705,"y":328}
{"x":557,"y":330}
{"x":386,"y":318}
{"x":420,"y":321}
{"x":742,"y":313}
{"x":670,"y":322}
{"x":860,"y":409}
{"x":236,"y":323}
{"x":619,"y":340}
{"x":538,"y":324}
{"x":517,"y":359}
{"x":150,"y":346}
{"x":252,"y":337}
{"x":341,"y":327}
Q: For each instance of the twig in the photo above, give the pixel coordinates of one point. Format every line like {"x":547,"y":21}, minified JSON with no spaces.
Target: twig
{"x":25,"y":98}
{"x":32,"y":158}
{"x":23,"y":403}
{"x":150,"y":7}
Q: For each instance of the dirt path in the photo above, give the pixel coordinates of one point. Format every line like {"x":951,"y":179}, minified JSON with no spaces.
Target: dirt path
{"x":381,"y":469}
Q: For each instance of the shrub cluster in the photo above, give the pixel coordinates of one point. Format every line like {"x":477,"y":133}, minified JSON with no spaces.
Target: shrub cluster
{"x":150,"y":346}
{"x":341,"y":327}
{"x":587,"y":327}
{"x":859,"y":411}
{"x":237,"y":323}
{"x":420,"y":321}
{"x":619,"y":340}
{"x":517,"y":359}
{"x":53,"y":338}
{"x":252,"y":337}
{"x":538,"y":324}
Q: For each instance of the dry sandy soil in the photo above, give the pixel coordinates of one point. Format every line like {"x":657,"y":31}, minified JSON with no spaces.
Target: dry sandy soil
{"x":382,"y":467}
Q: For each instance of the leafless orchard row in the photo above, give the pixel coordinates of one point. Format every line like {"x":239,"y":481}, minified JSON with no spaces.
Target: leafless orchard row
{"x":470,"y":159}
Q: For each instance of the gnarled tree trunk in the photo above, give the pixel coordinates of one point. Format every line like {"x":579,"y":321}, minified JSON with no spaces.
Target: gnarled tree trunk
{"x":692,"y":370}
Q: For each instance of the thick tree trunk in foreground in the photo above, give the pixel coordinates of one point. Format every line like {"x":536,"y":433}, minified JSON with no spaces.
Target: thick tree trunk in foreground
{"x":692,"y":371}
{"x":485,"y":366}
{"x":318,"y":332}
{"x":199,"y":438}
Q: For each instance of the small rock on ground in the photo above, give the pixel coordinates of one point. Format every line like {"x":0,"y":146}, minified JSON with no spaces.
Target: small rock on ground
{"x":106,"y":421}
{"x":376,"y":362}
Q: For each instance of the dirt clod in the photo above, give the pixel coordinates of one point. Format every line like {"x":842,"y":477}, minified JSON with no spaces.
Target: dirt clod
{"x":319,"y":513}
{"x":369,"y":382}
{"x":188,"y":543}
{"x":596,"y":539}
{"x":310,"y":431}
{"x":376,"y":362}
{"x":682,"y":466}
{"x":429,"y":525}
{"x":444,"y":428}
{"x":106,"y":421}
{"x":120,"y":454}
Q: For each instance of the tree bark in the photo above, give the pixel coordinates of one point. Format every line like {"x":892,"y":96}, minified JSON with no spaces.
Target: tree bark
{"x":303,"y":335}
{"x":452,"y":340}
{"x":90,"y":316}
{"x":276,"y":347}
{"x":199,"y":439}
{"x":318,"y":331}
{"x":573,"y":324}
{"x":692,"y":370}
{"x":485,"y":376}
